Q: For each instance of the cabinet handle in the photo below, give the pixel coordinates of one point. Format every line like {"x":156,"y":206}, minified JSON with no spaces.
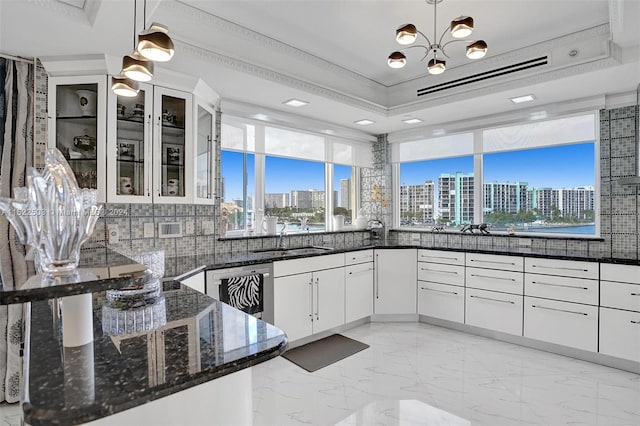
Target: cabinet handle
{"x":634,"y":322}
{"x":495,"y":300}
{"x":634,"y":294}
{"x":377,"y":266}
{"x":438,"y":270}
{"x":317,"y":298}
{"x":493,"y":278}
{"x":559,"y":285}
{"x":360,"y":272}
{"x":438,"y":257}
{"x":439,"y":291}
{"x":560,"y":268}
{"x":311,"y":300}
{"x":494,"y":262}
{"x":560,"y":310}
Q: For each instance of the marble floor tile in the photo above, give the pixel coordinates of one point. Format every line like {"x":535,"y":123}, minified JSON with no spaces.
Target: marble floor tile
{"x":419,"y":374}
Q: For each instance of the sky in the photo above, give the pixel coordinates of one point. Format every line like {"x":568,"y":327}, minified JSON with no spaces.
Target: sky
{"x":555,"y":167}
{"x":282,"y":175}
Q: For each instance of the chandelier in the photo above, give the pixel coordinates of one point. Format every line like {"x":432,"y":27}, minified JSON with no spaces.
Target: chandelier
{"x":459,"y":29}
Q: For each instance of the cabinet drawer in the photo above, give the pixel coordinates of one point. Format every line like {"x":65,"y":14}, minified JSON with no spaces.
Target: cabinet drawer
{"x":356,"y":257}
{"x":441,"y":273}
{"x":494,"y":311}
{"x":441,"y":301}
{"x":563,"y":323}
{"x":620,"y":295}
{"x":620,"y":334}
{"x":360,"y":269}
{"x":621,"y":273}
{"x":564,"y":268}
{"x":494,"y":280}
{"x":308,"y":264}
{"x":577,"y":290}
{"x":441,"y":256}
{"x":493,"y":261}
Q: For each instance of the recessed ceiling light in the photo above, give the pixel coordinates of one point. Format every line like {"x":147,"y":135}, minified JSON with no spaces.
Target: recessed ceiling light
{"x":538,"y":115}
{"x":262,"y":117}
{"x":412,"y":121}
{"x":364,"y":122}
{"x":328,"y":132}
{"x":521,"y":99}
{"x":295,"y":102}
{"x":439,"y":132}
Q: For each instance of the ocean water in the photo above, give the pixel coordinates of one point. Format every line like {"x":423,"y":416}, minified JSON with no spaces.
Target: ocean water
{"x":578,"y":229}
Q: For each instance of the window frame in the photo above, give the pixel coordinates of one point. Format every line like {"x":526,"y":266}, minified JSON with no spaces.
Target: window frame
{"x":478,"y":171}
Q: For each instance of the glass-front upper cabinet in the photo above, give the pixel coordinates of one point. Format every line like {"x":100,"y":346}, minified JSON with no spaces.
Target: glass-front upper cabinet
{"x":78,"y":129}
{"x":173,"y":146}
{"x":204,"y":155}
{"x":129,"y":147}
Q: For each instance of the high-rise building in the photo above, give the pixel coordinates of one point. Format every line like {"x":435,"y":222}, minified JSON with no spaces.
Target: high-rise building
{"x":575,"y":202}
{"x":310,"y":199}
{"x":455,"y":197}
{"x":543,"y":200}
{"x":418,"y":201}
{"x":345,"y":193}
{"x":276,"y":200}
{"x":505,"y":197}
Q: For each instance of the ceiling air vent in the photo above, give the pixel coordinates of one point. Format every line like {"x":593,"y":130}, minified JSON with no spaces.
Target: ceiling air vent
{"x":532,"y":63}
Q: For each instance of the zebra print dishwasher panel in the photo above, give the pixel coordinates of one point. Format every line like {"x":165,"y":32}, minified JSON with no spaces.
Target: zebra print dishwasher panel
{"x":244,"y":293}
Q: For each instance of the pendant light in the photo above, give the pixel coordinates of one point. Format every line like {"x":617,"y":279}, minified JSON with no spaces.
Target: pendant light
{"x":124,"y":86}
{"x":154,"y":43}
{"x":134,"y":65}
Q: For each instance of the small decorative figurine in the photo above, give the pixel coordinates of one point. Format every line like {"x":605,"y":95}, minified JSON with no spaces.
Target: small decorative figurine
{"x":437,"y":228}
{"x":512,"y":229}
{"x":482,"y":227}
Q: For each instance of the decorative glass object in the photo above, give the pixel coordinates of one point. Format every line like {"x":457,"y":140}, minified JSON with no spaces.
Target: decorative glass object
{"x":53,"y":215}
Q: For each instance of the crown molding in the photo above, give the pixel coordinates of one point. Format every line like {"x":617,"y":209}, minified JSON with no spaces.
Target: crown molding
{"x":276,"y":77}
{"x":87,"y":13}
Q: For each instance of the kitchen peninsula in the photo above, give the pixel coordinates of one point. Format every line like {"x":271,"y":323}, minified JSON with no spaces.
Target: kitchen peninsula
{"x":160,"y":357}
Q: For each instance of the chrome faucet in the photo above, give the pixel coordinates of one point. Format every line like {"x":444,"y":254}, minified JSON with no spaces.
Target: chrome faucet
{"x":281,"y":244}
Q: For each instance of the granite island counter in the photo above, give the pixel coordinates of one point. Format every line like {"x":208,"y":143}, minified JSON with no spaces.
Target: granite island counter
{"x":162,"y":357}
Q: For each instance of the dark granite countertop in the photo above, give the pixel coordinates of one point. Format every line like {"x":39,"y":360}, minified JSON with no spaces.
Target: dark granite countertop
{"x":202,"y":339}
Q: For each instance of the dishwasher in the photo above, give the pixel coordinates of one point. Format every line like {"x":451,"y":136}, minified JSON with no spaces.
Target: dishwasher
{"x":215,"y":277}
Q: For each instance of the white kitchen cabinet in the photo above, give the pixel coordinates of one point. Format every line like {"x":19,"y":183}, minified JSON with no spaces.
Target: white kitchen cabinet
{"x":355,"y":257}
{"x":620,"y":333}
{"x":441,"y":256}
{"x":569,"y":324}
{"x":563,"y":268}
{"x":160,"y":147}
{"x":441,"y":301}
{"x":309,"y":295}
{"x":494,"y":280}
{"x":620,"y":311}
{"x":494,"y":311}
{"x":358,"y":284}
{"x":78,"y":127}
{"x":441,"y":277}
{"x":577,"y":290}
{"x":395,"y":289}
{"x":173,"y":146}
{"x":495,"y":261}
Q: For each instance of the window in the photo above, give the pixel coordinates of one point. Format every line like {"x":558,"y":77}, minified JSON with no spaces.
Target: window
{"x":294,"y":189}
{"x":437,"y":192}
{"x":539,"y":176}
{"x":344,"y":186}
{"x":238,"y":188}
{"x":541,"y":190}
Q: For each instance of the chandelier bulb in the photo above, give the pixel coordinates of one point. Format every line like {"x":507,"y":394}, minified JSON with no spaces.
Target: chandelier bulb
{"x":436,"y":66}
{"x":461,"y":27}
{"x":124,"y":86}
{"x":397,"y":60}
{"x":406,"y":34}
{"x":137,"y":67}
{"x":155,"y":44}
{"x":477,"y":49}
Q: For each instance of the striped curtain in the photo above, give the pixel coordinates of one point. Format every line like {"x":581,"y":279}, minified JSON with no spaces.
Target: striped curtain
{"x":16,"y":145}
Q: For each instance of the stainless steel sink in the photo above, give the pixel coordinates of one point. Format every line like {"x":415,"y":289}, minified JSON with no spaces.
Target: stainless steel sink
{"x":275,"y":252}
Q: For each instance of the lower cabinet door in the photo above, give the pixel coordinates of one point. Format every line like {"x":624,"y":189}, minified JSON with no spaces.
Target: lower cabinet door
{"x":620,"y":334}
{"x":293,"y":305}
{"x":569,"y":324}
{"x":328,"y":299}
{"x":441,"y":301}
{"x":358,"y":291}
{"x":494,"y":311}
